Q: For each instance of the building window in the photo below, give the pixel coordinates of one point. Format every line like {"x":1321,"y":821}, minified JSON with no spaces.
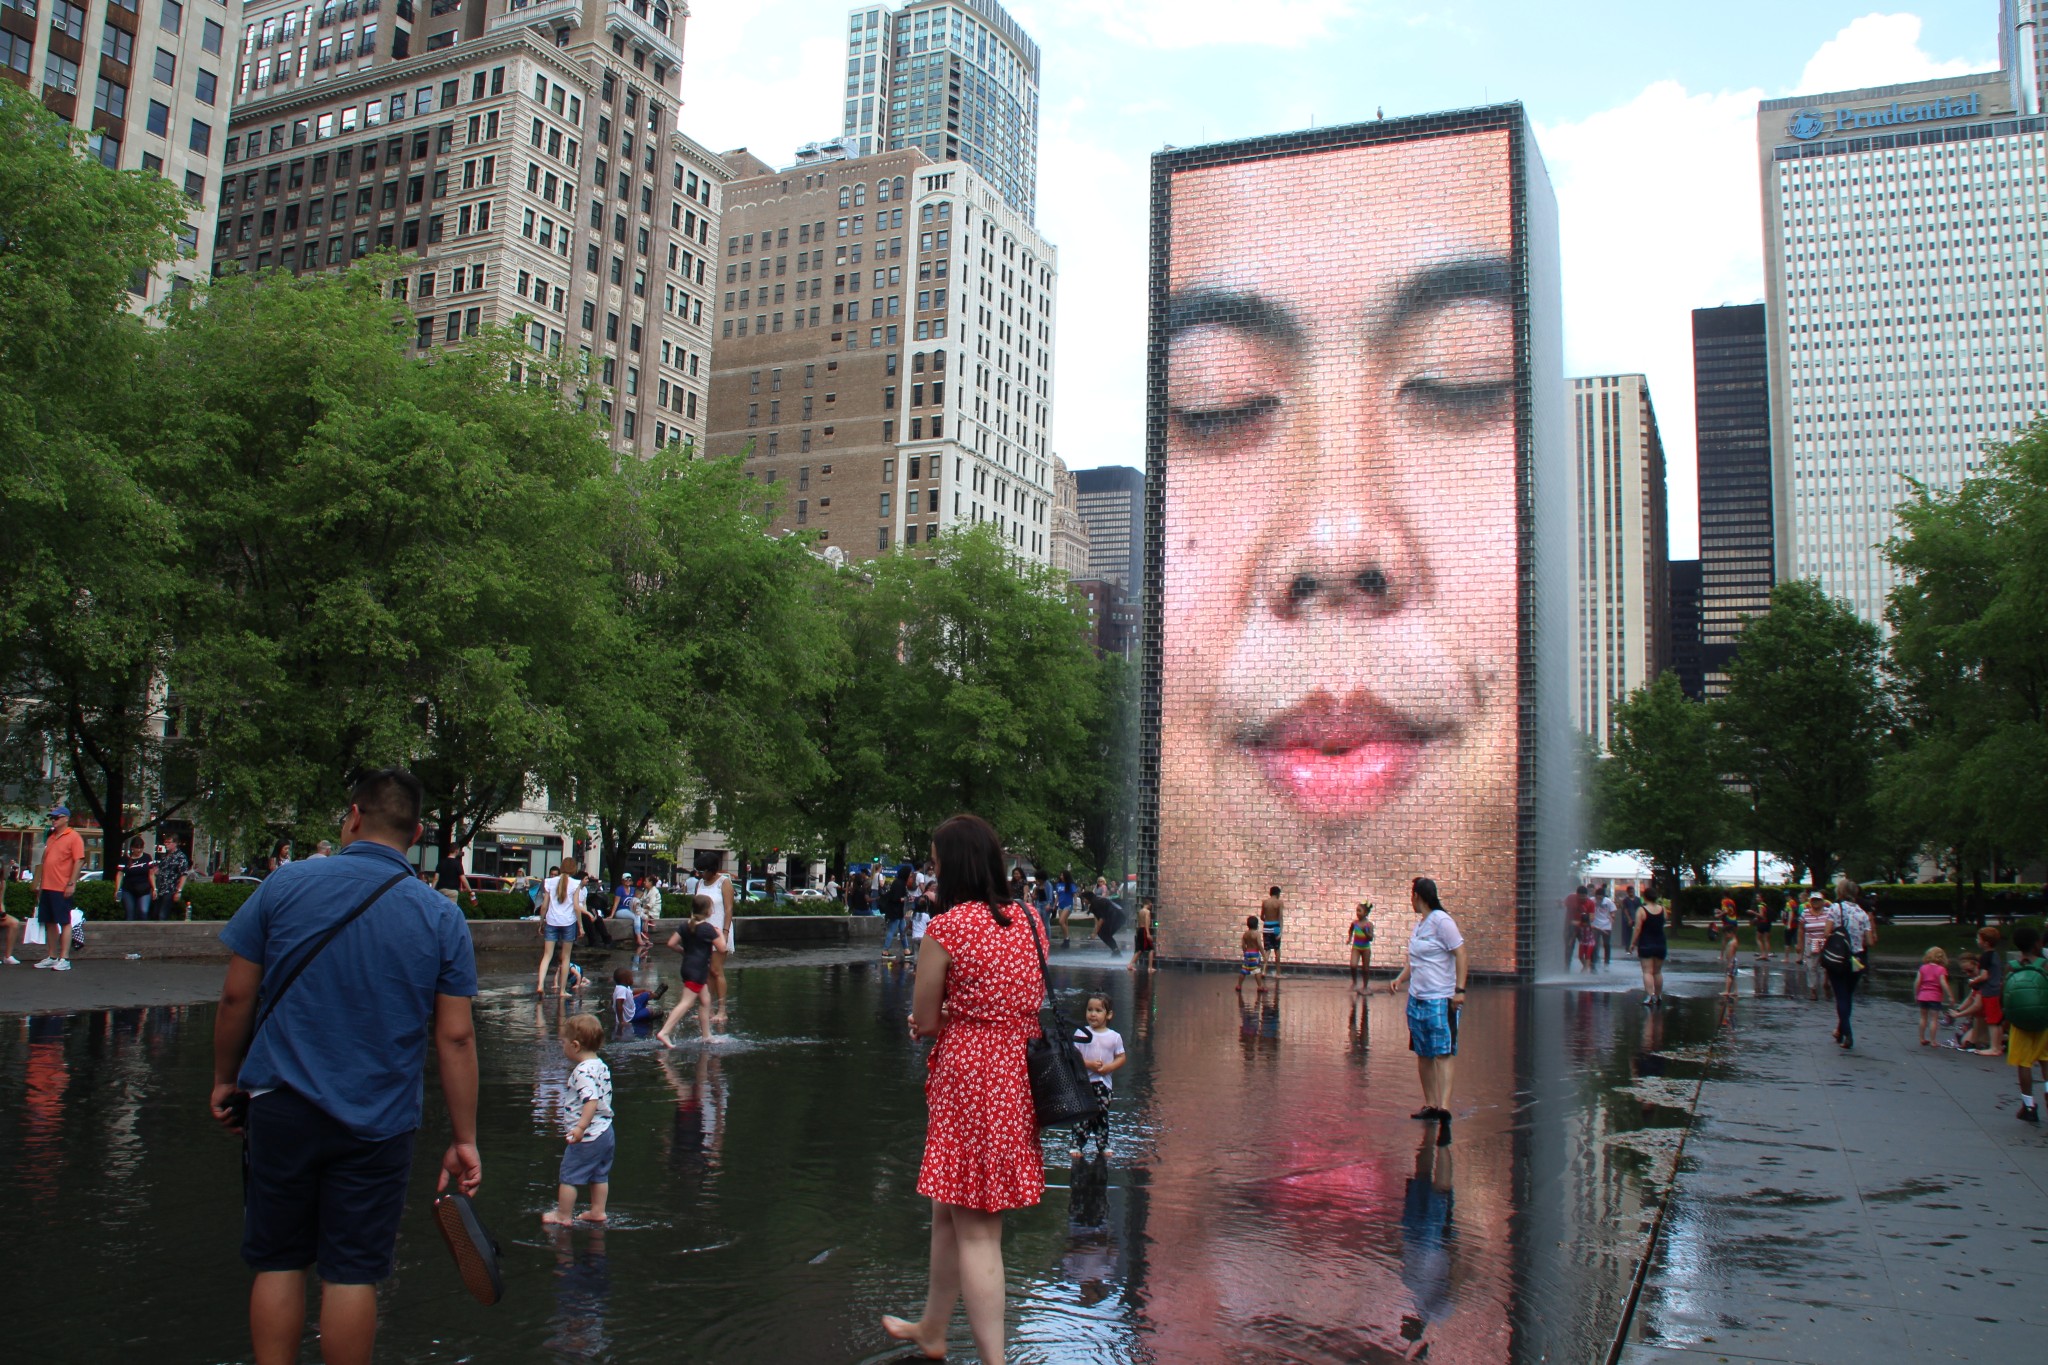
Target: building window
{"x":111,"y":96}
{"x":166,"y":67}
{"x":201,"y":139}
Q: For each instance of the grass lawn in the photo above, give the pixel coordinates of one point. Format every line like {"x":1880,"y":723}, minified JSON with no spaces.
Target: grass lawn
{"x":1895,"y":942}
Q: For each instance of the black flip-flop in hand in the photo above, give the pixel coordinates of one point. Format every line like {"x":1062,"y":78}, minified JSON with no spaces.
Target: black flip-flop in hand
{"x":474,"y":1249}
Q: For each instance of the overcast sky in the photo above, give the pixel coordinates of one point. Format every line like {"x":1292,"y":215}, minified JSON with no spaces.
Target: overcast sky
{"x":1645,"y":113}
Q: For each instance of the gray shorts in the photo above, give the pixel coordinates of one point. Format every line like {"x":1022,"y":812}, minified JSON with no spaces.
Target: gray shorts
{"x":588,"y":1163}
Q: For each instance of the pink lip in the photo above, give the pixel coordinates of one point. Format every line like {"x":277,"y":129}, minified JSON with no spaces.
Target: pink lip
{"x":1342,"y":760}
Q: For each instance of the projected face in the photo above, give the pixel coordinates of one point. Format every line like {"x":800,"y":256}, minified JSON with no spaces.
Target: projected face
{"x":1340,"y":588}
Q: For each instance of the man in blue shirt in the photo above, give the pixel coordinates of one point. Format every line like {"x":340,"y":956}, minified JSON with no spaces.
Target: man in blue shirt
{"x":333,"y":1074}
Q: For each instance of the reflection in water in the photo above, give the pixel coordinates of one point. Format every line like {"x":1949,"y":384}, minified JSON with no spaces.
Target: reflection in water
{"x":1265,"y":1196}
{"x":583,"y":1293}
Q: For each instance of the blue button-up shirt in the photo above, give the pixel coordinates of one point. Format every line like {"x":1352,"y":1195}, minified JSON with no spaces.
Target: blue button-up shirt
{"x":351,"y":1035}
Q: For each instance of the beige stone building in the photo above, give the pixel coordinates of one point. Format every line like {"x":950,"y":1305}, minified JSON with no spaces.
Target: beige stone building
{"x":149,"y":81}
{"x":884,"y":352}
{"x":1621,"y":563}
{"x":524,"y":152}
{"x":1069,"y":532}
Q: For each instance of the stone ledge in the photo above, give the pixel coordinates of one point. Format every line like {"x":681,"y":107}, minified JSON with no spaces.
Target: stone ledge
{"x":200,"y":938}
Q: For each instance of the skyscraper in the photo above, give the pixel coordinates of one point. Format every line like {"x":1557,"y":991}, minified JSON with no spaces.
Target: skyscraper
{"x":1904,"y":229}
{"x":525,"y":151}
{"x":149,"y":81}
{"x":1732,"y":416}
{"x":1687,"y":659}
{"x":1112,"y":502}
{"x":1624,"y":603}
{"x":885,"y":334}
{"x":956,"y":78}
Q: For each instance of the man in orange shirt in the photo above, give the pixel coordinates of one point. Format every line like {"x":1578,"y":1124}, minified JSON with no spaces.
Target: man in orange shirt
{"x":56,"y":884}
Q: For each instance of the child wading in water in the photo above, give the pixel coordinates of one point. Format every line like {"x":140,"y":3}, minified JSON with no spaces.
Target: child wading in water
{"x":1361,"y":948}
{"x":630,"y":1004}
{"x":696,"y":941}
{"x":1252,"y":944}
{"x":1933,"y":993}
{"x":587,"y":1114}
{"x":1141,"y":944}
{"x":1102,"y":1050}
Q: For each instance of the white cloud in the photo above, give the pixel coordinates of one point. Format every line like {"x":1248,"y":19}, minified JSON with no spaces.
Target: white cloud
{"x":1658,"y":215}
{"x":1878,"y":49}
{"x":1100,"y":200}
{"x":746,"y":84}
{"x":1196,"y":23}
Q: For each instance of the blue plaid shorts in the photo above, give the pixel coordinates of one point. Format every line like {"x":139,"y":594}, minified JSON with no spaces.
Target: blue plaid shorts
{"x":1432,"y":1028}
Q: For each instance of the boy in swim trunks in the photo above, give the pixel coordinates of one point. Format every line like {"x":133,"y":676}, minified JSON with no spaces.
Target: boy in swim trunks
{"x":1270,"y":908}
{"x":1253,"y":949}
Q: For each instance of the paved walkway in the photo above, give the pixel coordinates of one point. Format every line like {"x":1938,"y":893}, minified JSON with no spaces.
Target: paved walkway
{"x":1871,"y":1206}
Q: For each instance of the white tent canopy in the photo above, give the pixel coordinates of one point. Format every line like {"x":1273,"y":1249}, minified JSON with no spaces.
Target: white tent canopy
{"x":1737,"y":868}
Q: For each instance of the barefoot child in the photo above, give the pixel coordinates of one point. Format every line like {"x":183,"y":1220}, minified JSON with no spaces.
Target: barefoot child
{"x":1102,"y":1050}
{"x":1253,"y":947}
{"x":1589,"y":942}
{"x":1361,"y":948}
{"x":2026,"y":1017}
{"x":1971,"y":1011}
{"x":1933,"y":992}
{"x":587,"y":1114}
{"x":1141,"y":943}
{"x":696,"y":941}
{"x":630,"y":1004}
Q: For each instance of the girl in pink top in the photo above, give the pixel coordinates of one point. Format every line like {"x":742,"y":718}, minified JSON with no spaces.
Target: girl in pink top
{"x":1932,"y":991}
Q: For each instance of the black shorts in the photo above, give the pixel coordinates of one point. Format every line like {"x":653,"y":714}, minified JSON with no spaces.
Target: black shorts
{"x":317,"y":1194}
{"x":53,"y":908}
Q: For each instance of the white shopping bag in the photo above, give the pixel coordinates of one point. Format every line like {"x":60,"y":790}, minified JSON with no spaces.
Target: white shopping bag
{"x":32,"y":927}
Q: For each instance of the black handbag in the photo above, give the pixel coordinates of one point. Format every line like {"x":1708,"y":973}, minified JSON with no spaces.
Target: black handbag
{"x":1060,"y":1093}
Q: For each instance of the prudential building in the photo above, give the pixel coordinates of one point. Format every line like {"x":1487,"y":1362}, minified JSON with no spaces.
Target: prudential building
{"x":1903,"y":236}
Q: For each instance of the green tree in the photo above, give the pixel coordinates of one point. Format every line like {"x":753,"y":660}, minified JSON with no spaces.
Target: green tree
{"x":990,"y":711}
{"x":88,"y":568}
{"x":386,"y":555}
{"x":700,"y":666}
{"x":1969,"y":661}
{"x":1807,"y":719}
{"x":1659,"y":791}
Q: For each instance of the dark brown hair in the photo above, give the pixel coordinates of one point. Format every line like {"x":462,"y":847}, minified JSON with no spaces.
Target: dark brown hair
{"x":970,"y":865}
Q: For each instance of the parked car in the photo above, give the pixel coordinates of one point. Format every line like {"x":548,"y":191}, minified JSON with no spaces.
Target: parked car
{"x":244,"y":879}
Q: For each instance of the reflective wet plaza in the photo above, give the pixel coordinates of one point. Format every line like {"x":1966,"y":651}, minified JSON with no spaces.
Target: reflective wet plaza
{"x":1270,"y":1199}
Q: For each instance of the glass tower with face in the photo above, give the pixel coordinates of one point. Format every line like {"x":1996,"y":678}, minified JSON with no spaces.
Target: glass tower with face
{"x":1339,"y":366}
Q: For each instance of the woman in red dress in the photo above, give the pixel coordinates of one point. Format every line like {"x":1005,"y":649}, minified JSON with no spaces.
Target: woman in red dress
{"x":979,"y":987}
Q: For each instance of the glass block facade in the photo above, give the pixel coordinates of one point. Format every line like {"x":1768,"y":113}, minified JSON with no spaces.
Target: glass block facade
{"x":1358,"y":502}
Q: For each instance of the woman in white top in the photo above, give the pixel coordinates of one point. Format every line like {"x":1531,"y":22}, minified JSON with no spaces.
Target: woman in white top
{"x":1435,"y":981}
{"x":712,"y":882}
{"x":561,"y":909}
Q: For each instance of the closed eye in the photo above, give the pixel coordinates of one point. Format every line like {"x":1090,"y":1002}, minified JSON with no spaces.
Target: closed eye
{"x":1465,"y":402}
{"x":1203,"y":423}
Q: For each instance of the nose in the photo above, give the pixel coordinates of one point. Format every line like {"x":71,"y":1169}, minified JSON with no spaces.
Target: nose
{"x":1348,"y":551}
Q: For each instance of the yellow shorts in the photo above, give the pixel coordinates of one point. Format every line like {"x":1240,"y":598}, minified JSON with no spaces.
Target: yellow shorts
{"x":2024,"y":1048}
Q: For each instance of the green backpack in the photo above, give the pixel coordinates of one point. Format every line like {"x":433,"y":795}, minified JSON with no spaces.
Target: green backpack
{"x":2025,"y":997}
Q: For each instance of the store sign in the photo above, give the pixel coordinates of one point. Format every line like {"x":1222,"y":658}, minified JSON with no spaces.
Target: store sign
{"x":1811,"y":123}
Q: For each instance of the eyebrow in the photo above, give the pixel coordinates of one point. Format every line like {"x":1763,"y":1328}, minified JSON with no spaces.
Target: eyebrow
{"x":1487,"y":278}
{"x":1253,"y":314}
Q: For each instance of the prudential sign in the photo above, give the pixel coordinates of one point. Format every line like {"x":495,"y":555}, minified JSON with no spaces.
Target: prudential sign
{"x":1811,"y":123}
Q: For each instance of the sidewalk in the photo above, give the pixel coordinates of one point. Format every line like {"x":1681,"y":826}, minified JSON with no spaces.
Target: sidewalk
{"x":1870,"y":1206}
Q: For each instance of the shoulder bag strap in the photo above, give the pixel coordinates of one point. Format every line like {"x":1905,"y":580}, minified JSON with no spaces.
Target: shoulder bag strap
{"x":270,"y":1004}
{"x":1032,"y":929}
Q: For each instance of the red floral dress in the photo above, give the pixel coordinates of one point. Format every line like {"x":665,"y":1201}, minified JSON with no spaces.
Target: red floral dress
{"x":981,"y":1139}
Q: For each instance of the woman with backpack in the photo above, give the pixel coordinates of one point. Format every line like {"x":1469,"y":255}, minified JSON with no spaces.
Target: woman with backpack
{"x":1850,"y":936}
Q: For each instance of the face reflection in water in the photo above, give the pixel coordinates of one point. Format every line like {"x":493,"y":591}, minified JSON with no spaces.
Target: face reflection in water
{"x":1339,"y":582}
